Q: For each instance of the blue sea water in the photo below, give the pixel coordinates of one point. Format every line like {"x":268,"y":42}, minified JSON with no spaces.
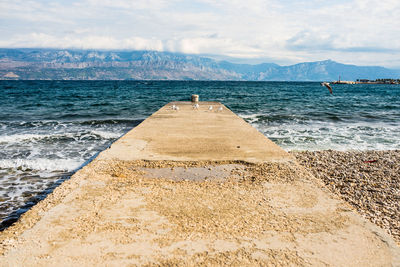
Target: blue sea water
{"x":50,"y":128}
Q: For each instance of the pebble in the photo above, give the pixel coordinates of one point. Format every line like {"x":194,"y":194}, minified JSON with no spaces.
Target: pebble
{"x":368,"y":180}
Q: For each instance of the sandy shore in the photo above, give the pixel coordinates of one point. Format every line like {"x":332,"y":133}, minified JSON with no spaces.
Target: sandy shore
{"x":368,"y":180}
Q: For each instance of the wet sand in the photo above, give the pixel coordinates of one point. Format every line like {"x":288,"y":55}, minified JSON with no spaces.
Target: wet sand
{"x":148,"y":200}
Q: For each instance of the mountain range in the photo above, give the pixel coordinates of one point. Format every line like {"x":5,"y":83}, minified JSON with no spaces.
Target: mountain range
{"x":69,"y":64}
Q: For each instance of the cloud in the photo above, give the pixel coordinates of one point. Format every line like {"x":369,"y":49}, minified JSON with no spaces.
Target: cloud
{"x":210,"y":45}
{"x":313,"y":41}
{"x":126,"y":4}
{"x":43,"y":40}
{"x":307,"y":40}
{"x":200,"y":45}
{"x":357,"y":31}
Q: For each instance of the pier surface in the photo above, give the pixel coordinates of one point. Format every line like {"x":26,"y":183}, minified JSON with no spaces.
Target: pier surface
{"x":190,"y":134}
{"x":194,"y":187}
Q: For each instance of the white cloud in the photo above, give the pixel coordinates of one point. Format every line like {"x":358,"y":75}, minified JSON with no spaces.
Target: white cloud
{"x":353,"y":31}
{"x":87,"y":42}
{"x":126,"y":4}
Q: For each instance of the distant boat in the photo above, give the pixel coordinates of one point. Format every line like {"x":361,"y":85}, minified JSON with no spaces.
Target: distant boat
{"x":327,"y":85}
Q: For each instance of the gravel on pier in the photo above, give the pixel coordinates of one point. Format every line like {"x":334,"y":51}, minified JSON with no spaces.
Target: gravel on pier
{"x":368,"y":180}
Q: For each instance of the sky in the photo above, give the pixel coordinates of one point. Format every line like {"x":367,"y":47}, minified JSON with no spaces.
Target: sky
{"x":361,"y":32}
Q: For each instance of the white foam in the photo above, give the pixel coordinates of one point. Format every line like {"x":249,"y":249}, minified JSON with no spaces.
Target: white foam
{"x":42,"y":164}
{"x":21,"y":137}
{"x":16,"y":138}
{"x":338,"y":136}
{"x":106,"y":135}
{"x":251,"y":118}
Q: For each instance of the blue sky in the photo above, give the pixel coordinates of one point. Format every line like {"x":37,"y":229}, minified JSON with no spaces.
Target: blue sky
{"x":362,"y":32}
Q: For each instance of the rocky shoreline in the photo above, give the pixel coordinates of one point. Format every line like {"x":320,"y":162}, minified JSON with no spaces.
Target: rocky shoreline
{"x":368,"y":180}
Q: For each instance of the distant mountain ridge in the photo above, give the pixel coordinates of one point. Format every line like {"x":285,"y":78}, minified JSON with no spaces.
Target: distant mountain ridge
{"x":69,"y":64}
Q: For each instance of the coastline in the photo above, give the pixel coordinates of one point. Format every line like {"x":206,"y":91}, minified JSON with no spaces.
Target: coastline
{"x":367,"y":180}
{"x":119,"y":212}
{"x":151,"y":199}
{"x":295,"y":115}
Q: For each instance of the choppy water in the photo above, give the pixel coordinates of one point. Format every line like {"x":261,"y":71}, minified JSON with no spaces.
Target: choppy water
{"x":50,"y":128}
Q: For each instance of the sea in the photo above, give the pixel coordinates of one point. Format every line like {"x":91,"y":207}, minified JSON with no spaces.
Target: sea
{"x":49,"y":129}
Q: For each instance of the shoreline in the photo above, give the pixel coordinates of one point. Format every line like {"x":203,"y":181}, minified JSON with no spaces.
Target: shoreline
{"x":324,"y":165}
{"x":120,"y":211}
{"x":367,"y":180}
{"x":194,"y":197}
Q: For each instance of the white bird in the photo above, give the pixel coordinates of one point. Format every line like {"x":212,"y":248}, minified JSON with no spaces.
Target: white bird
{"x":327,"y":85}
{"x":173,"y":107}
{"x":176,"y":108}
{"x":220,"y":108}
{"x":196,"y":106}
{"x":210,"y":108}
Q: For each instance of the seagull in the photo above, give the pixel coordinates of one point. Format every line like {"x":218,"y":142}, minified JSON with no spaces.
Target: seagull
{"x":327,"y":86}
{"x":174,"y":107}
{"x":220,"y":108}
{"x":210,"y":108}
{"x":196,"y":106}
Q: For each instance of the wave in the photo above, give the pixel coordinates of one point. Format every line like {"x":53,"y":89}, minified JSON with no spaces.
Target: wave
{"x":251,"y":118}
{"x":96,"y":134}
{"x":53,"y":123}
{"x":340,"y":136}
{"x":109,"y":121}
{"x":273,"y":118}
{"x":41,"y":164}
{"x":22,"y":137}
{"x":106,"y":135}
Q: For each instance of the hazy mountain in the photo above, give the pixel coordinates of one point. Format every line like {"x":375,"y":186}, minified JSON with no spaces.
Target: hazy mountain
{"x":62,"y":64}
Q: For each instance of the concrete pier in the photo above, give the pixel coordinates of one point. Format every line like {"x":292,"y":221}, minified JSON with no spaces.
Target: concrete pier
{"x":190,"y":134}
{"x":194,"y":186}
